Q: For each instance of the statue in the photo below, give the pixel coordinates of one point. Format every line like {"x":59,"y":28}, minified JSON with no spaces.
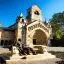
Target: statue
{"x":15,"y":50}
{"x":22,"y":48}
{"x":28,"y":49}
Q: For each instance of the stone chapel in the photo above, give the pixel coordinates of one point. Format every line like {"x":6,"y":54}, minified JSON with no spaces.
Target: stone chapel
{"x":32,"y":30}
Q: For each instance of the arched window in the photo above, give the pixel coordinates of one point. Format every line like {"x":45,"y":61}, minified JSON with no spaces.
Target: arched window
{"x":22,"y":20}
{"x":36,"y":12}
{"x":19,"y":39}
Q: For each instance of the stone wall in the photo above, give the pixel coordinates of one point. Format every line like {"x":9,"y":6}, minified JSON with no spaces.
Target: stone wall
{"x":7,"y":35}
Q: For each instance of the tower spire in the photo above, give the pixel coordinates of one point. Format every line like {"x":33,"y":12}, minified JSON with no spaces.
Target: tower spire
{"x":21,"y":14}
{"x":0,"y":24}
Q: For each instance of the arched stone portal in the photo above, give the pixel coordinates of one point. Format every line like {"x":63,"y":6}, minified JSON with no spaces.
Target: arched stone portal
{"x":39,"y":38}
{"x":37,"y":34}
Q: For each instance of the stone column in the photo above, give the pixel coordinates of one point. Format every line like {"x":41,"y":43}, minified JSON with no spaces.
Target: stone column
{"x":24,"y":34}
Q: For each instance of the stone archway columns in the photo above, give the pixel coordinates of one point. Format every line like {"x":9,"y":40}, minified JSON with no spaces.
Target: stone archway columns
{"x":31,"y":28}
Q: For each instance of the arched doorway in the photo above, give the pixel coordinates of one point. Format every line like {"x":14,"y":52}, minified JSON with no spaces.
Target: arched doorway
{"x":39,"y":38}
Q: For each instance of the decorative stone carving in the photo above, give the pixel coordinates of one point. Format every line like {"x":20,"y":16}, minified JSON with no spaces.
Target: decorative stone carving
{"x":15,"y":53}
{"x":15,"y":50}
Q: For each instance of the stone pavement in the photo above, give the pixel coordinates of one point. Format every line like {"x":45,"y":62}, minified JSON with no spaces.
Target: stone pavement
{"x":35,"y":59}
{"x":4,"y":50}
{"x":46,"y":61}
{"x":55,"y":49}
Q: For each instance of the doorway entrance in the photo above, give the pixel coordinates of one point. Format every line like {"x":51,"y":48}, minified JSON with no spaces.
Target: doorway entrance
{"x":34,"y":41}
{"x":39,"y":38}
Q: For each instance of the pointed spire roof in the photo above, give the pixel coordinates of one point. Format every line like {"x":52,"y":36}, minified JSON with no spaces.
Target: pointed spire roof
{"x":21,"y":15}
{"x":0,"y":24}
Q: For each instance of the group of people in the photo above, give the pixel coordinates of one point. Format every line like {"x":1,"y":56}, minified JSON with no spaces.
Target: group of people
{"x":24,"y":49}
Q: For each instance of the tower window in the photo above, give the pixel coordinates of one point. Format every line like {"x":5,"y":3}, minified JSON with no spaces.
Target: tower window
{"x":19,"y":39}
{"x":22,"y":20}
{"x":36,"y":12}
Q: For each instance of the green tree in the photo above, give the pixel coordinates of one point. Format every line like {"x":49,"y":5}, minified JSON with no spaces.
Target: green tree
{"x":57,"y":23}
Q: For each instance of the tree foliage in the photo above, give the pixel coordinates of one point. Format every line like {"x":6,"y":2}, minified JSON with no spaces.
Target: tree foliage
{"x":57,"y":23}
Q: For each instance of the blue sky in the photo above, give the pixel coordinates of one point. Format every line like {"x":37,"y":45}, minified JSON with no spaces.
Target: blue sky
{"x":10,"y":9}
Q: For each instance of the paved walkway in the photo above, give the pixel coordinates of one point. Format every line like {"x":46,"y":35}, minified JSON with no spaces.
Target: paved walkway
{"x":55,"y":49}
{"x":4,"y":50}
{"x":47,"y":61}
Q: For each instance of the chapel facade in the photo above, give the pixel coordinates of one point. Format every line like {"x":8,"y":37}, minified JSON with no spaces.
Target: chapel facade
{"x":31,"y":31}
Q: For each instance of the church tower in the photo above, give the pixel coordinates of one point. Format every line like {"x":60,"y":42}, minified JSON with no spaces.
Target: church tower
{"x":34,"y":14}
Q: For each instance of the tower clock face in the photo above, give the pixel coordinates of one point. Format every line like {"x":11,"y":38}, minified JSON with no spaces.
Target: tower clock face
{"x":36,"y":12}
